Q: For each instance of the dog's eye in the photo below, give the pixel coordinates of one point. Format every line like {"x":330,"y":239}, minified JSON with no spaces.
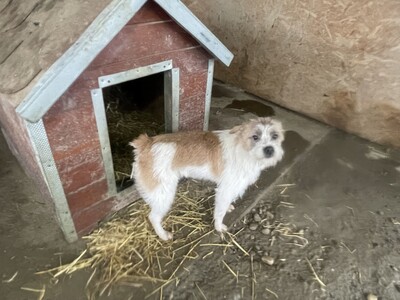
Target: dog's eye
{"x":255,"y":137}
{"x":274,"y":136}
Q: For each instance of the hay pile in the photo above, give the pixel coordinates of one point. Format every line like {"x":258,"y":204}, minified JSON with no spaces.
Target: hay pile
{"x":125,"y":250}
{"x":123,"y":126}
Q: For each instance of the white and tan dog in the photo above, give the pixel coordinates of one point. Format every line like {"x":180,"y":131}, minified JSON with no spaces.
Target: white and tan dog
{"x":233,"y":159}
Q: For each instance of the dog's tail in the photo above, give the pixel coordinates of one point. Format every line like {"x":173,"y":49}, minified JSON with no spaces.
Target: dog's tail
{"x":141,"y":142}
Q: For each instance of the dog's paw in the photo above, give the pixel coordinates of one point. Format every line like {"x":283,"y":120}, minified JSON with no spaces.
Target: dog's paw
{"x":166,"y":236}
{"x":231,"y":208}
{"x":221,"y":227}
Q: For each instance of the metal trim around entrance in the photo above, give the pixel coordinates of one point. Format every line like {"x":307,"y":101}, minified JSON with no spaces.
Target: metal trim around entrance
{"x":105,"y":81}
{"x":102,"y":129}
{"x":207,"y":103}
{"x":171,"y":100}
{"x":171,"y":107}
{"x":40,"y":142}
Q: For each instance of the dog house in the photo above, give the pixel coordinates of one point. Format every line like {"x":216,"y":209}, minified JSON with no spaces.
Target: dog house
{"x":56,"y":60}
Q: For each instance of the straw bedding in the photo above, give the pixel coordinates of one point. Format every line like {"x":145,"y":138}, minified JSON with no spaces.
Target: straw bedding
{"x":125,"y":124}
{"x":125,"y":250}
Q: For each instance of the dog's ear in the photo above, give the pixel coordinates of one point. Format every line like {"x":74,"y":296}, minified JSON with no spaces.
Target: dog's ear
{"x":277,"y":125}
{"x":236,"y":129}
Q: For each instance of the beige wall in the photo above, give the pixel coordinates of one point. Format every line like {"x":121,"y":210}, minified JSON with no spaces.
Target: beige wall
{"x":336,"y":61}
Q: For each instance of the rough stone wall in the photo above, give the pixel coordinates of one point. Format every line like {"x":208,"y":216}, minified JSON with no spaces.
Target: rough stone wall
{"x":335,"y":61}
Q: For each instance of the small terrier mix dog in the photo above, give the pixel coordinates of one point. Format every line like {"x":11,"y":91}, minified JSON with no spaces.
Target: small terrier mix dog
{"x":233,"y":159}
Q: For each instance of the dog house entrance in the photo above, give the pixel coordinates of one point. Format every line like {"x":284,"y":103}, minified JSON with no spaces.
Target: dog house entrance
{"x":143,"y":100}
{"x":132,"y":108}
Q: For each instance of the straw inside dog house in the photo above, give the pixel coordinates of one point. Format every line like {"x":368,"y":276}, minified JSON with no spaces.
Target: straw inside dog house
{"x":132,"y":108}
{"x":64,"y":61}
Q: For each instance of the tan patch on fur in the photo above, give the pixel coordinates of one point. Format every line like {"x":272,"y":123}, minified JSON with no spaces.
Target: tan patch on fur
{"x":195,"y":149}
{"x":145,"y":160}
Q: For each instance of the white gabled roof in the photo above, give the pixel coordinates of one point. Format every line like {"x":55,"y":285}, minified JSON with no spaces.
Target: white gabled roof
{"x":56,"y":80}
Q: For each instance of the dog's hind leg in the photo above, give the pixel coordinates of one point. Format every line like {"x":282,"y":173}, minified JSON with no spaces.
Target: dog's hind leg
{"x":160,"y":206}
{"x":156,"y":216}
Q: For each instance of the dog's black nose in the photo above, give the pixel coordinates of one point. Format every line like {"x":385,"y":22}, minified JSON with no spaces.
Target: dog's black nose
{"x":269,"y":151}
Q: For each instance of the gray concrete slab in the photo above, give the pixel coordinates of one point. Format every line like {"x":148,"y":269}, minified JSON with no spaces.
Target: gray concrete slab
{"x":337,"y":207}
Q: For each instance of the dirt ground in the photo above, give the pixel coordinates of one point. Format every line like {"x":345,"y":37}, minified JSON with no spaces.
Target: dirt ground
{"x":323,"y":224}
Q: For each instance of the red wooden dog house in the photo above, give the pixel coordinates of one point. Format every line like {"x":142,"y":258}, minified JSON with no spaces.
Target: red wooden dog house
{"x":55,"y":60}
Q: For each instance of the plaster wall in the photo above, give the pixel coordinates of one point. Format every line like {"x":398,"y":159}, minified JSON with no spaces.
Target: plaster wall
{"x":335,"y":61}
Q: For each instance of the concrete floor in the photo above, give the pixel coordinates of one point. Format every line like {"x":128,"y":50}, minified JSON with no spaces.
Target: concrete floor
{"x":345,"y":193}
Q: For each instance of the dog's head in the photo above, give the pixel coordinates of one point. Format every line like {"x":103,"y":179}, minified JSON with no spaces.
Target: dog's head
{"x":262,"y":138}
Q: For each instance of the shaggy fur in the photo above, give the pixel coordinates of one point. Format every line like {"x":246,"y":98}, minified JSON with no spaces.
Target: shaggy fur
{"x":233,"y":159}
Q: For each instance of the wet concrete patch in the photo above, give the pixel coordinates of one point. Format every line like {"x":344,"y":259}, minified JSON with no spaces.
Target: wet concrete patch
{"x":221,"y":118}
{"x":219,"y":91}
{"x":251,"y":106}
{"x":227,"y":117}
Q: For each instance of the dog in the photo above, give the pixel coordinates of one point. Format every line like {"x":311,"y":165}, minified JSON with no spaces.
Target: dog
{"x":233,"y":159}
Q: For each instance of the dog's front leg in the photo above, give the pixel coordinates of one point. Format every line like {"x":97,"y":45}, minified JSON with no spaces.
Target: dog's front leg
{"x":223,"y":200}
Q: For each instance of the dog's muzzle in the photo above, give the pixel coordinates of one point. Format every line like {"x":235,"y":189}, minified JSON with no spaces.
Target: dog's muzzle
{"x":269,"y":151}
